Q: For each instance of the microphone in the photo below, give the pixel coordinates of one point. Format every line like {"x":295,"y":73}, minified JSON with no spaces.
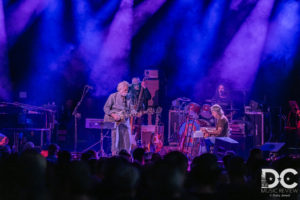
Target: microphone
{"x":89,"y":87}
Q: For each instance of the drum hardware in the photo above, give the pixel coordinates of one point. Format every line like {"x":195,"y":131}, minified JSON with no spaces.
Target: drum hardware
{"x":180,"y":103}
{"x":210,"y":100}
{"x":231,"y":109}
{"x":205,"y":111}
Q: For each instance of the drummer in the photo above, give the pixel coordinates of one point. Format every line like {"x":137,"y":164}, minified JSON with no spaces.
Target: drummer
{"x":221,"y":130}
{"x":222,"y":96}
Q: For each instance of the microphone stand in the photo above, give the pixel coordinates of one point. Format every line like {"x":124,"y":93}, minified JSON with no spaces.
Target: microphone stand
{"x":78,"y":115}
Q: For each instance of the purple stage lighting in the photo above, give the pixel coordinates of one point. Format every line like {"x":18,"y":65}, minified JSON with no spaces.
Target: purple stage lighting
{"x":242,"y":56}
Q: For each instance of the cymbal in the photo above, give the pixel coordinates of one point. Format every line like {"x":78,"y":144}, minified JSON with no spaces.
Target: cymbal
{"x":232,"y":109}
{"x":214,"y":101}
{"x":210,"y":100}
{"x":184,"y":99}
{"x":238,"y":121}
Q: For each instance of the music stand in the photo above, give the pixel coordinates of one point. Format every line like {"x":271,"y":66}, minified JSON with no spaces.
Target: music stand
{"x":102,"y":126}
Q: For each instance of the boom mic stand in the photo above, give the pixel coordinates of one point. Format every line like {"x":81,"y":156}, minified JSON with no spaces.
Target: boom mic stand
{"x":78,"y":115}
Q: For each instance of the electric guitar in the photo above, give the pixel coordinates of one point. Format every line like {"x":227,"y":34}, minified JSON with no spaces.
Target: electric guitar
{"x":124,"y":116}
{"x":3,"y":140}
{"x":156,"y":137}
{"x":135,"y":128}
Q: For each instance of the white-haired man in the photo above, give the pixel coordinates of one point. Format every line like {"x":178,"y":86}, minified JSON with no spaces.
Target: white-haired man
{"x":117,"y":106}
{"x":222,"y":128}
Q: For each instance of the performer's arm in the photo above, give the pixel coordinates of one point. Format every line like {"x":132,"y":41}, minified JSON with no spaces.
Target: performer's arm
{"x":146,"y":92}
{"x":108,"y":105}
{"x":214,"y":132}
{"x":108,"y":108}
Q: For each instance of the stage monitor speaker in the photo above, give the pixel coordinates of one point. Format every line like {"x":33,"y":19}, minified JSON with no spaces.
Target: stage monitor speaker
{"x":272,"y":147}
{"x":223,"y":144}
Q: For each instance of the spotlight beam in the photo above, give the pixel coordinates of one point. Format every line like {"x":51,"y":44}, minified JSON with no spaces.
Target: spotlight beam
{"x":5,"y":86}
{"x":19,"y":17}
{"x":242,"y":56}
{"x":113,"y":63}
{"x":144,"y":11}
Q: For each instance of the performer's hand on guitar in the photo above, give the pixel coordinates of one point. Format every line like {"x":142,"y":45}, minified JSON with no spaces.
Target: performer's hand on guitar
{"x":143,"y":84}
{"x":116,"y":117}
{"x":139,"y":114}
{"x":134,"y":112}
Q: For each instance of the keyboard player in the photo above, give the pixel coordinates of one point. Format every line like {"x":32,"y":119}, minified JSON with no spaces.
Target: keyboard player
{"x":221,"y":130}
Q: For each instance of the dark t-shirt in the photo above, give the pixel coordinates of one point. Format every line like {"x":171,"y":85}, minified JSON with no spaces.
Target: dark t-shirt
{"x":223,"y":123}
{"x":134,"y":96}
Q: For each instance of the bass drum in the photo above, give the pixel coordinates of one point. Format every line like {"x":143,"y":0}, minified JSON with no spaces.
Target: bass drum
{"x":205,"y":111}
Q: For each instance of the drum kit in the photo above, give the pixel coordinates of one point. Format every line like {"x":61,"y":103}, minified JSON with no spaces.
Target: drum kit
{"x":195,"y":117}
{"x":201,"y":114}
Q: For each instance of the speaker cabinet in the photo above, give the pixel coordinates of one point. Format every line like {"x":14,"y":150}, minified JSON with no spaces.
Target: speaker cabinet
{"x":272,"y":147}
{"x":255,"y":126}
{"x":223,"y":144}
{"x":176,"y":118}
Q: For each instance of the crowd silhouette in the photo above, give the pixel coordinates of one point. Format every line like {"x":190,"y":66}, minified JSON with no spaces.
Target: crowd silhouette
{"x":28,"y":175}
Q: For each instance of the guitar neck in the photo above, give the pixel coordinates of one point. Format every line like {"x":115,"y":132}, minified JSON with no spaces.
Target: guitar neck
{"x":156,"y":122}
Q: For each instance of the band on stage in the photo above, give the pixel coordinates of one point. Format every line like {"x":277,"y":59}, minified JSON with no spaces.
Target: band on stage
{"x":195,"y":130}
{"x":127,"y":108}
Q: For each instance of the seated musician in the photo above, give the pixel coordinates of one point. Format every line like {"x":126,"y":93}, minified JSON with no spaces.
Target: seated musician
{"x":117,"y":106}
{"x":222,"y":97}
{"x":221,"y":130}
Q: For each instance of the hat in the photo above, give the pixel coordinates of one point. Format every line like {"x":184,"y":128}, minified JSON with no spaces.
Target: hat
{"x":135,"y":81}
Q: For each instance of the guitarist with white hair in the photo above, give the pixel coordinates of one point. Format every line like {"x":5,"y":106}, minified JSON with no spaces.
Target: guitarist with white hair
{"x":118,"y":108}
